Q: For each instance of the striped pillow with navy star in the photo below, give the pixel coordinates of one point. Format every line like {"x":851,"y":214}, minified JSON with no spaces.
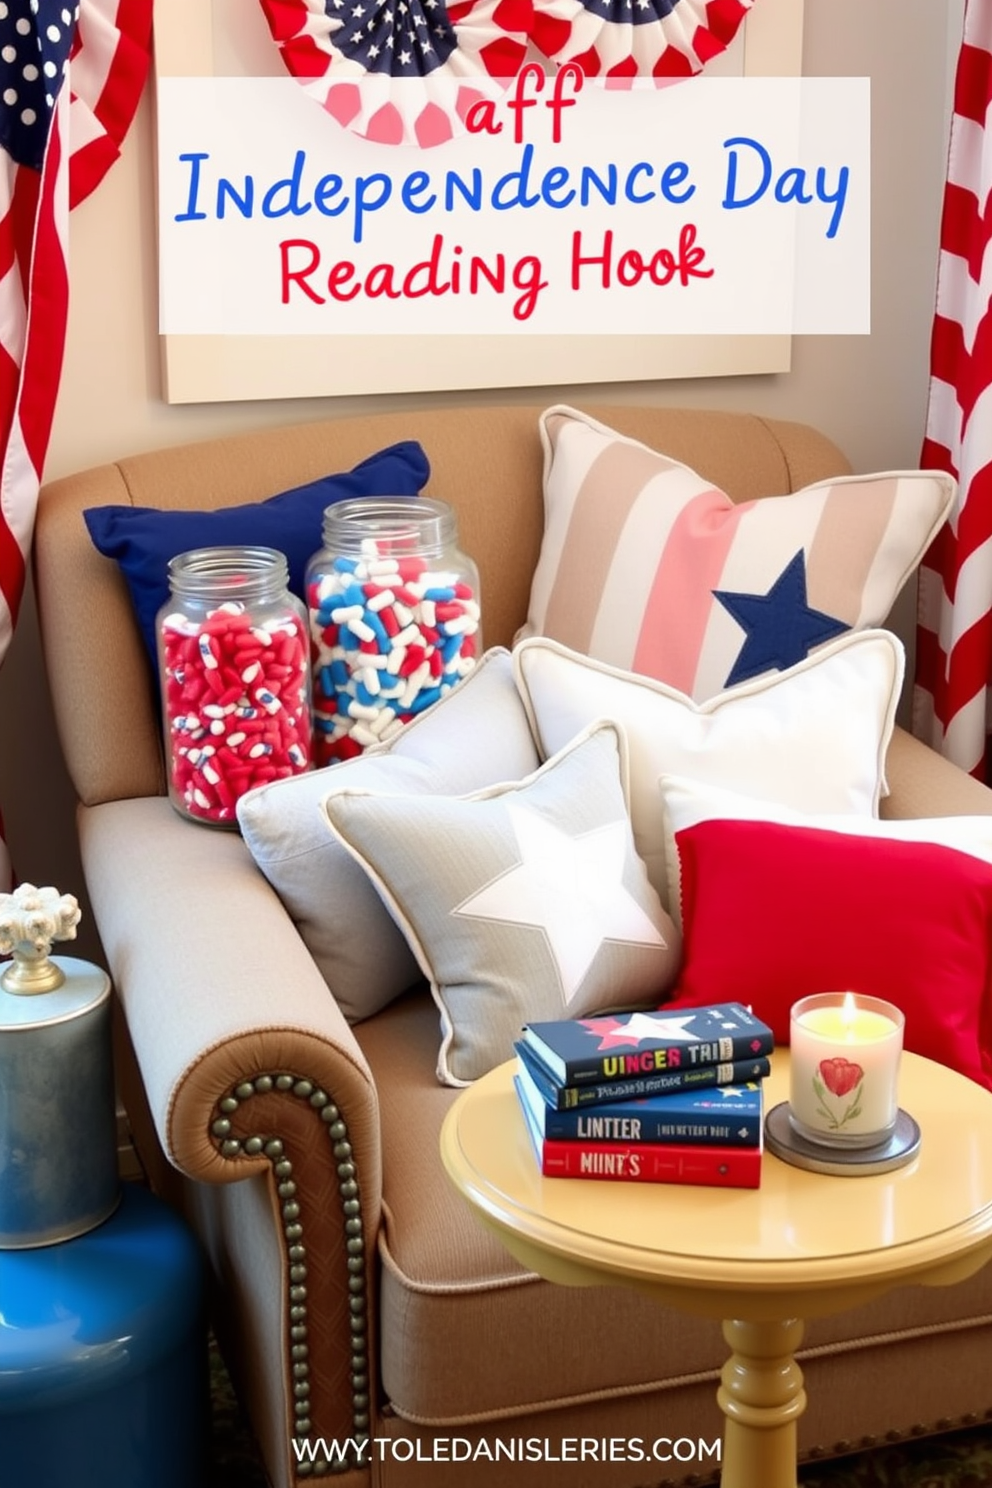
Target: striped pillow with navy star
{"x":647,"y":566}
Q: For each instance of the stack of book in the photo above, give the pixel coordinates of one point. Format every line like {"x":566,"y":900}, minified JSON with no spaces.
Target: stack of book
{"x":654,"y":1096}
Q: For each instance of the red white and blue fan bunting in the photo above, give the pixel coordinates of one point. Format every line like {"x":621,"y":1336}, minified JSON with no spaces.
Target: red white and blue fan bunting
{"x":349,"y":54}
{"x":661,"y":39}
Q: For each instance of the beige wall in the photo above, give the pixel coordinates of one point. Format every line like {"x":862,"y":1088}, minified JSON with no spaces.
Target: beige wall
{"x":866,"y":392}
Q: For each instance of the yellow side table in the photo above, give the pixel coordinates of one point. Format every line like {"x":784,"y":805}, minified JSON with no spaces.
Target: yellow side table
{"x":796,"y":1248}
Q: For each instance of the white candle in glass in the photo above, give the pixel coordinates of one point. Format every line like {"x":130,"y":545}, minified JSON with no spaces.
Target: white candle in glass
{"x":845,"y":1051}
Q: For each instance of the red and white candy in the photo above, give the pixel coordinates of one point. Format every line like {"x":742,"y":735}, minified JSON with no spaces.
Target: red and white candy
{"x":389,"y":636}
{"x":237,"y":706}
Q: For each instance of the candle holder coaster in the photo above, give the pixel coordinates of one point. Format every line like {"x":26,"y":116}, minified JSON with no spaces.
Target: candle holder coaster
{"x":784,"y":1141}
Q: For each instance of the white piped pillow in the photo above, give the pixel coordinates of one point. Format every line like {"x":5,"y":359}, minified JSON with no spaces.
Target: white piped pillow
{"x":814,"y":737}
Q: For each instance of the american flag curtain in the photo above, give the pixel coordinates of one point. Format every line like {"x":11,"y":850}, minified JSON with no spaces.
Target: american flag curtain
{"x":71,"y":75}
{"x":951,"y":701}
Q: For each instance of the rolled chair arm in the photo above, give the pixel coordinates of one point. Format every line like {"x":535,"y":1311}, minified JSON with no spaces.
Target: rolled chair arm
{"x":923,"y":783}
{"x":250,"y":1071}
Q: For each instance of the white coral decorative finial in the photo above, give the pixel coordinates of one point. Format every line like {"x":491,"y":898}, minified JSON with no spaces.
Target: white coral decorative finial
{"x":31,"y":919}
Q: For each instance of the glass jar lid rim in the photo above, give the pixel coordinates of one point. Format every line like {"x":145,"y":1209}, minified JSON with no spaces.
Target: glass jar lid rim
{"x":421,"y":524}
{"x":253,"y":555}
{"x":415,"y":509}
{"x":249,"y":571}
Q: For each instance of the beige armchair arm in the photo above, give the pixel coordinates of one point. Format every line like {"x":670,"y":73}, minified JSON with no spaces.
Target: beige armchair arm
{"x":923,"y":783}
{"x":250,"y":1072}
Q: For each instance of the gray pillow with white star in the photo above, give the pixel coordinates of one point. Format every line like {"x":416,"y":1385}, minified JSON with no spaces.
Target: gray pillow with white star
{"x":523,"y":901}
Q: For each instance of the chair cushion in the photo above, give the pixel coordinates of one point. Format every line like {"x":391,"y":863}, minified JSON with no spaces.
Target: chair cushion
{"x":449,"y":1289}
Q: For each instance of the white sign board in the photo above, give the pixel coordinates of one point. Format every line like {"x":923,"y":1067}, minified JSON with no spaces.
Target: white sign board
{"x":728,"y":206}
{"x":225,"y":39}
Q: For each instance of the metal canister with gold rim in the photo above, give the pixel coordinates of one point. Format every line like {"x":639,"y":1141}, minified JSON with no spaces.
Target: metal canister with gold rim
{"x":58,"y":1150}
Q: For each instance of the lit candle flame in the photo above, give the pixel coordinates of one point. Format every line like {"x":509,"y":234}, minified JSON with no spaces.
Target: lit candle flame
{"x":849,"y":1008}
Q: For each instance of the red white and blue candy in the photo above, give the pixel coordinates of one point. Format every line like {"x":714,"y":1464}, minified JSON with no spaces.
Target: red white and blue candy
{"x":237,"y":704}
{"x":389,"y":637}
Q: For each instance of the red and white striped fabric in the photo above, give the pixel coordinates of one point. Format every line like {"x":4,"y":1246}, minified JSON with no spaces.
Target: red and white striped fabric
{"x":951,"y":700}
{"x":70,"y":79}
{"x":107,"y":71}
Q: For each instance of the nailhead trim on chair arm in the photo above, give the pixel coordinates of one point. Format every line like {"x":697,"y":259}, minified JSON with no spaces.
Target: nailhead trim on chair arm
{"x":230,"y":1146}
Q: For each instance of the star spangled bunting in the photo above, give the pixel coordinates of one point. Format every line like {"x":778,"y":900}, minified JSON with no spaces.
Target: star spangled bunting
{"x":626,"y":39}
{"x":398,"y":71}
{"x":951,"y":698}
{"x":43,"y":44}
{"x":349,"y":53}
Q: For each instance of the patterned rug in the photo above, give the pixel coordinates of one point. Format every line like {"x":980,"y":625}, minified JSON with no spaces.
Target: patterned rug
{"x":961,"y":1459}
{"x":234,"y":1460}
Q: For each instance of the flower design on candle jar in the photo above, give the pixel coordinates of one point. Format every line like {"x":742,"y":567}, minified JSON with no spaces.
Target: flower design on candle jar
{"x":839,"y":1077}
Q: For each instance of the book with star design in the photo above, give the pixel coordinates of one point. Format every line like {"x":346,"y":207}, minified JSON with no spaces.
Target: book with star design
{"x":721,"y":1115}
{"x":626,"y":1046}
{"x":698,"y":1077}
{"x":711,"y":1166}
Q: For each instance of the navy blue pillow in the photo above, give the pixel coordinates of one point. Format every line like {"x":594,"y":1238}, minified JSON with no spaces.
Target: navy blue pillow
{"x":142,"y":539}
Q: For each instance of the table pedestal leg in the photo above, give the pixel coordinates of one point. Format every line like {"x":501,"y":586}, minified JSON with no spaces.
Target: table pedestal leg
{"x":762,"y":1397}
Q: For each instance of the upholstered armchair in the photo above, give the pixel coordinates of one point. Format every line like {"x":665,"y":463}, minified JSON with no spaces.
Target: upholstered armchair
{"x":361,"y":1307}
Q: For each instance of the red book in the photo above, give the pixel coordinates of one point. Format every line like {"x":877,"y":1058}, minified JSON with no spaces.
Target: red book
{"x":646,"y":1162}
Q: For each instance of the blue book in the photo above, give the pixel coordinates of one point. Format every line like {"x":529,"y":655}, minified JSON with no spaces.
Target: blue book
{"x":664,"y":1082}
{"x":623,"y":1046}
{"x":645,"y":1162}
{"x":719,"y":1116}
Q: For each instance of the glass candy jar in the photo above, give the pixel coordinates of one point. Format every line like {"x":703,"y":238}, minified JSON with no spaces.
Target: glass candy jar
{"x":394,"y":618}
{"x":234,"y":666}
